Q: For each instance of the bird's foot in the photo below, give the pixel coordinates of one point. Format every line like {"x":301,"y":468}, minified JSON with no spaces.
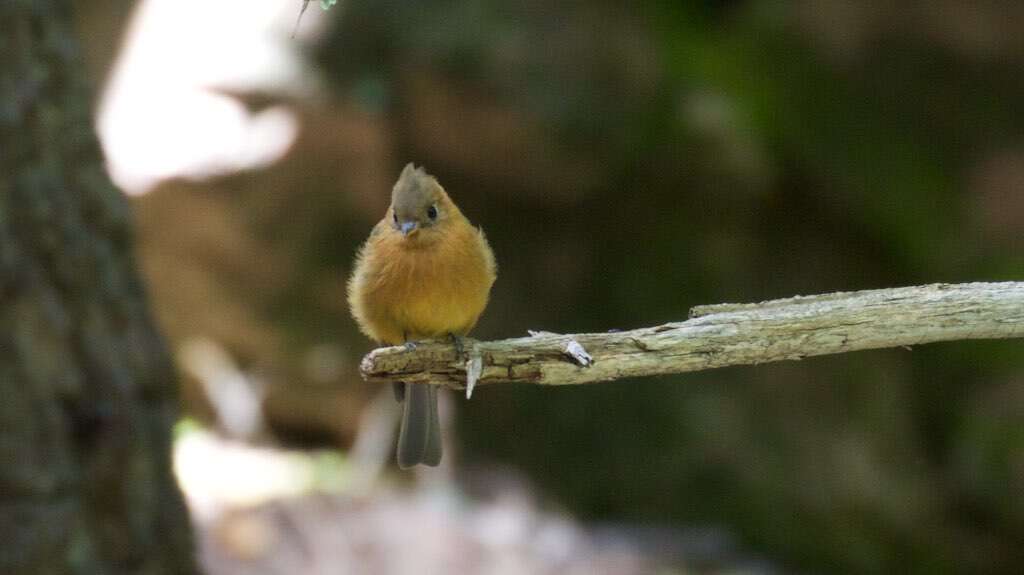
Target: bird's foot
{"x":460,"y":349}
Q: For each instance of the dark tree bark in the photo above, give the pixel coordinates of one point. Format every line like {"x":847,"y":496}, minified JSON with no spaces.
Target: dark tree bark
{"x":87,"y":391}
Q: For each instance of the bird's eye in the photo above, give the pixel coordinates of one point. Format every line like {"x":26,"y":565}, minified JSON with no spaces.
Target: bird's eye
{"x":394,"y":215}
{"x":432,"y":212}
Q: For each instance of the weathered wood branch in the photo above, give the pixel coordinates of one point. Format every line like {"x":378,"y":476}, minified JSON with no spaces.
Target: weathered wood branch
{"x":719,"y":336}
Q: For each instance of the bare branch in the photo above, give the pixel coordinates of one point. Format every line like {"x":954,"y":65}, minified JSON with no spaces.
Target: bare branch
{"x":722,"y":335}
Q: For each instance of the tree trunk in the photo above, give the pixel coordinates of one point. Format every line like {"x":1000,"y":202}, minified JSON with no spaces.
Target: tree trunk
{"x":87,"y":391}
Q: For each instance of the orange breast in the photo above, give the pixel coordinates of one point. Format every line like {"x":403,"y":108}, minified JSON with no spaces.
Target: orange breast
{"x":423,"y":293}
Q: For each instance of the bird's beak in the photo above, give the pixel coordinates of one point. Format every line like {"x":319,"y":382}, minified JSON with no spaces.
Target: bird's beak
{"x":407,"y":228}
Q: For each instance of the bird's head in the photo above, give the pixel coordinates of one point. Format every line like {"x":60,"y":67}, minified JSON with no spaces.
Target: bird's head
{"x":420,"y":208}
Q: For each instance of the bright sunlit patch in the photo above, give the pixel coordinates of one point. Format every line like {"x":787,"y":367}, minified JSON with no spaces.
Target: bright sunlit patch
{"x":216,"y":473}
{"x":162,"y":115}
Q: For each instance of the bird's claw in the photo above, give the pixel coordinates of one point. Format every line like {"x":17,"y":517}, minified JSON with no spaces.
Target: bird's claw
{"x":460,"y":349}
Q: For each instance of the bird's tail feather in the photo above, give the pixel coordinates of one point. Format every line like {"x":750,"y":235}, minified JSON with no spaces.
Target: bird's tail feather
{"x":419,"y":440}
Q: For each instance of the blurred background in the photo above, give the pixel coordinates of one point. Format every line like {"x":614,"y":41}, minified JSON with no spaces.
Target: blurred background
{"x":627,"y":161}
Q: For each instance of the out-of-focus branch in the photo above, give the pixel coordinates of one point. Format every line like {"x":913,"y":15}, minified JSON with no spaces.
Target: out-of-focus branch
{"x":719,"y":336}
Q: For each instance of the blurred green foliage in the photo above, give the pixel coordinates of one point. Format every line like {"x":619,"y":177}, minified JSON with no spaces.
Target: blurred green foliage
{"x":732,"y":151}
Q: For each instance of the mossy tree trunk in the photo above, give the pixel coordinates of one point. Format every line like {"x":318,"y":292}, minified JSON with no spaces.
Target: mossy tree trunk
{"x":87,"y":391}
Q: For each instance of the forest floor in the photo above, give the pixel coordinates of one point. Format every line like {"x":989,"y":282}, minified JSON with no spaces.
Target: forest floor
{"x":261,"y":510}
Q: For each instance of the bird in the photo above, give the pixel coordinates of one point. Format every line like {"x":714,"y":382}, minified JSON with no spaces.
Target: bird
{"x":424,"y":273}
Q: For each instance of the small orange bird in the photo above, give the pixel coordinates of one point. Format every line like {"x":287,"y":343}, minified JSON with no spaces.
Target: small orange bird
{"x":425,"y":272}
